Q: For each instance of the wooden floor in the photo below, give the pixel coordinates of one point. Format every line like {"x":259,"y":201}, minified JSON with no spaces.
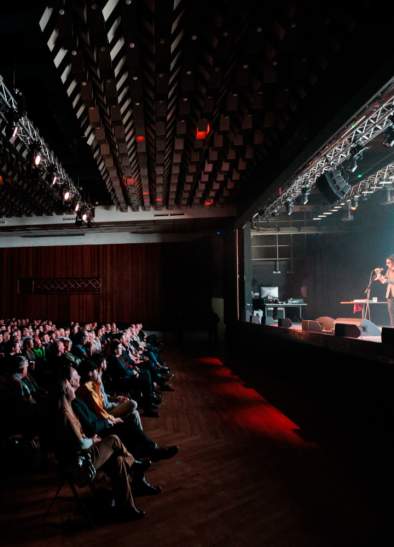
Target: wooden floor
{"x":245,"y":476}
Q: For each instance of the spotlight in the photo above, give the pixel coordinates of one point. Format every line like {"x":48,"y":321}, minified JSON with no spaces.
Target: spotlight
{"x":276,"y":267}
{"x":348,"y":217}
{"x":51,"y":175}
{"x":356,"y":154}
{"x":12,"y":128}
{"x":305,"y":192}
{"x":67,"y":195}
{"x":353,"y":165}
{"x":354,"y":203}
{"x":388,"y":137}
{"x":77,"y":207}
{"x":289,"y":205}
{"x":35,"y":155}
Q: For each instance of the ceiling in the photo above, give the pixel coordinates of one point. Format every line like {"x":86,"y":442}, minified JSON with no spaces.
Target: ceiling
{"x":152,"y":105}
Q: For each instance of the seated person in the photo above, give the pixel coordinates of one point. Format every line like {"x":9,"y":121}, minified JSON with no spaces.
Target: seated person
{"x":137,"y":442}
{"x":109,"y":454}
{"x":118,"y":406}
{"x":132,"y":378}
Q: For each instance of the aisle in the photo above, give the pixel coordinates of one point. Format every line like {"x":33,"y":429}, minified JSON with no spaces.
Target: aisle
{"x":244,"y":476}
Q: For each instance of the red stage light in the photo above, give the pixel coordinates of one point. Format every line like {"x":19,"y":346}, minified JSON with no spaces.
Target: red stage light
{"x":209,"y":202}
{"x":202,"y":131}
{"x":140,"y":138}
{"x":129,"y":181}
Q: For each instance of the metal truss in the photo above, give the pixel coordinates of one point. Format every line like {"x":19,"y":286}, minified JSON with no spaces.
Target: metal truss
{"x":29,"y":135}
{"x":360,"y":133}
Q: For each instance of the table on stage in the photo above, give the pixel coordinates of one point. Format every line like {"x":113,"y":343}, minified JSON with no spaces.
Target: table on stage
{"x":365,"y":304}
{"x":268,"y":309}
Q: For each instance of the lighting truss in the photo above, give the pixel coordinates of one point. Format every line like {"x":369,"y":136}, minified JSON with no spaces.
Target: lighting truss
{"x":29,"y":135}
{"x":361,"y":132}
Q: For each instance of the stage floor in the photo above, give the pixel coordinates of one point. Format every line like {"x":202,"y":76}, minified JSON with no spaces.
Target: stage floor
{"x":297,"y":327}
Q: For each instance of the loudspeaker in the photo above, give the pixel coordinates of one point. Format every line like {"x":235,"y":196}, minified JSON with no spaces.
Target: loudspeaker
{"x":311,"y":326}
{"x":284,"y":322}
{"x":327,"y":323}
{"x":354,"y":327}
{"x":333,"y":185}
{"x":388,"y":336}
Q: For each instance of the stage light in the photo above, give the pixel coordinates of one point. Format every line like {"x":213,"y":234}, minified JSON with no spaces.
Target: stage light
{"x":85,"y":217}
{"x":348,"y":217}
{"x":203,"y":129}
{"x":11,"y":132}
{"x":289,"y":205}
{"x":51,"y":175}
{"x":353,"y":165}
{"x":35,"y":155}
{"x":354,"y":203}
{"x":67,"y":195}
{"x":77,"y":207}
{"x":356,"y":154}
{"x":388,"y":137}
{"x":305,"y":192}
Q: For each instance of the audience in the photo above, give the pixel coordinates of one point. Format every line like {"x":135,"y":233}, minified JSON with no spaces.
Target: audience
{"x":122,"y":372}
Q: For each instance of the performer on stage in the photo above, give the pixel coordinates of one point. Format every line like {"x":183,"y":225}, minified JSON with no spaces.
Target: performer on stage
{"x":388,"y":278}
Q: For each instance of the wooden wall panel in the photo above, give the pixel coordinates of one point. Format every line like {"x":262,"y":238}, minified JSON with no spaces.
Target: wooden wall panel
{"x":151,"y":283}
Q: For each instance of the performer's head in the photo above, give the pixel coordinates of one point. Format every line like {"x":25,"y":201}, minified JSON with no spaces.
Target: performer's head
{"x":390,"y":262}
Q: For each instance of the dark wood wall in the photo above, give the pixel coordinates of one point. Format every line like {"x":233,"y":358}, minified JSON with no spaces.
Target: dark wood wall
{"x":157,"y":284}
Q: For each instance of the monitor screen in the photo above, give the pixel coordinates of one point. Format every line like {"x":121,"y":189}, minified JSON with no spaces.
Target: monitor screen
{"x":269,"y":292}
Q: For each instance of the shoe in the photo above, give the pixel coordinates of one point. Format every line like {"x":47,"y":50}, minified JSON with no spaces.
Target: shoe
{"x":164,"y":453}
{"x":151,"y":412}
{"x":144,"y":488}
{"x":139,"y":467}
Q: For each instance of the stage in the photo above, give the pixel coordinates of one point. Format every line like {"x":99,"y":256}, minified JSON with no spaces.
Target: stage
{"x":368,"y":348}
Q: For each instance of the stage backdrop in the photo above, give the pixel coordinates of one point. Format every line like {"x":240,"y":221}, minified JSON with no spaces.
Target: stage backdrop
{"x":158,"y":284}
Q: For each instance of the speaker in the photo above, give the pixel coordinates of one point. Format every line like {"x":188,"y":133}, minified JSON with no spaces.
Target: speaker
{"x":333,"y":185}
{"x":388,"y":336}
{"x":327,"y":323}
{"x":284,"y":322}
{"x":311,"y":326}
{"x":355,"y":327}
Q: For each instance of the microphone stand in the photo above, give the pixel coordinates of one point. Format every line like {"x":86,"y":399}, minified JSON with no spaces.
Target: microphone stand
{"x":366,"y":309}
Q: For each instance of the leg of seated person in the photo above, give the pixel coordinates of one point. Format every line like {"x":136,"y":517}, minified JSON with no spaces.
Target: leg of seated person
{"x":128,"y":410}
{"x":112,"y":455}
{"x":136,"y":441}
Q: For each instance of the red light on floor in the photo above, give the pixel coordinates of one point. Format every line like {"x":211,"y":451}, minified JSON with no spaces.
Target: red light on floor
{"x":208,"y":202}
{"x":140,"y":138}
{"x":202,"y":131}
{"x":211,"y":361}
